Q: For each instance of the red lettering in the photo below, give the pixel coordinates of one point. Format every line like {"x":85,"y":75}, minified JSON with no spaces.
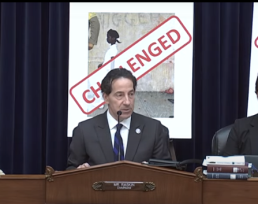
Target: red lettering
{"x":156,"y":49}
{"x":131,"y":65}
{"x":170,"y":37}
{"x":85,"y":98}
{"x":146,"y":58}
{"x":95,"y":91}
{"x":163,"y":43}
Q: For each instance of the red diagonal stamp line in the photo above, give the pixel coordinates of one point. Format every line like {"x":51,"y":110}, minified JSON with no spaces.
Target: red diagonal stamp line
{"x":256,"y":42}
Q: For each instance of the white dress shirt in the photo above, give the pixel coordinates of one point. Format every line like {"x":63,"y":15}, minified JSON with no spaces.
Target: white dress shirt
{"x":124,"y":130}
{"x":111,"y":52}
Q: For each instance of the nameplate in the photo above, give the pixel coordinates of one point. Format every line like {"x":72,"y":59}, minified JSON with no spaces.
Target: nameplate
{"x":123,"y":186}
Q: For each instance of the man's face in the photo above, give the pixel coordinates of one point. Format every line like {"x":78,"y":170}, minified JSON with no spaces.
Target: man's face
{"x":121,"y":98}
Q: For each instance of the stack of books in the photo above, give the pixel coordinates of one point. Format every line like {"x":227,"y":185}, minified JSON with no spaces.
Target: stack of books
{"x":232,"y":167}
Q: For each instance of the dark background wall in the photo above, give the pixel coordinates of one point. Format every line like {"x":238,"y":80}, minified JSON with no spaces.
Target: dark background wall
{"x":34,"y":54}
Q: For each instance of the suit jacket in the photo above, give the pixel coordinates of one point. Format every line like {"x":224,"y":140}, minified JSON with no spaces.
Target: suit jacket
{"x":91,"y":141}
{"x":243,"y":137}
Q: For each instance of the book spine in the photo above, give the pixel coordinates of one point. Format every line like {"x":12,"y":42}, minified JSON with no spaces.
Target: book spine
{"x":227,"y":169}
{"x":240,"y":176}
{"x":226,"y":163}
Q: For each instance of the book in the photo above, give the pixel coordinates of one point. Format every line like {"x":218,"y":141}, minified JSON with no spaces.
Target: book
{"x":230,"y":160}
{"x":241,"y":176}
{"x":217,"y":168}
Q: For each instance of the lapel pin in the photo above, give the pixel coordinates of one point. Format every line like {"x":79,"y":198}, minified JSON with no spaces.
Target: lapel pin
{"x":138,"y":130}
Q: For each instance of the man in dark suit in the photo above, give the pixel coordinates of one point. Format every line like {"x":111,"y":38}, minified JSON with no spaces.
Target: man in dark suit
{"x":243,"y":137}
{"x":143,"y":138}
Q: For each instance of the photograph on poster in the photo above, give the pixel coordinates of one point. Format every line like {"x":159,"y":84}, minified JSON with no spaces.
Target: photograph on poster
{"x":165,"y":91}
{"x":155,"y":90}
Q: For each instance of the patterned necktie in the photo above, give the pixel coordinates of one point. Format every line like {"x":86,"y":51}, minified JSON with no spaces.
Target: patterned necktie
{"x":118,"y":144}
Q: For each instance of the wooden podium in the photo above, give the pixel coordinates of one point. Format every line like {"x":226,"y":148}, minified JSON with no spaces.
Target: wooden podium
{"x":124,"y":182}
{"x":169,"y":186}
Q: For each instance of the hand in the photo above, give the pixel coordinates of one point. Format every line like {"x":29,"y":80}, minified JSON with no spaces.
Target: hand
{"x":82,"y":166}
{"x":100,"y":65}
{"x":90,"y":46}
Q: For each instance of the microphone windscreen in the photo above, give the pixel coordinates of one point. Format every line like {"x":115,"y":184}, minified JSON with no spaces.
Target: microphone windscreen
{"x":119,"y":112}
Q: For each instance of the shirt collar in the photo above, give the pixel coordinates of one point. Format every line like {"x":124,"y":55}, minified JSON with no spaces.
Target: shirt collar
{"x":112,"y":122}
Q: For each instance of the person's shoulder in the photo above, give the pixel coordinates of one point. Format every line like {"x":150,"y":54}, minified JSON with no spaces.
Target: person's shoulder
{"x":93,"y":120}
{"x":146,"y":119}
{"x":246,"y":122}
{"x":248,"y":119}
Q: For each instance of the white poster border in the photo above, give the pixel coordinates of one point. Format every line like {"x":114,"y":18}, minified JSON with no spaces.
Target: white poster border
{"x":181,"y":125}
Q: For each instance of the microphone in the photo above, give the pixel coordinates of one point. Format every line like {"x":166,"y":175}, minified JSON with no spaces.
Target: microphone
{"x":118,"y":114}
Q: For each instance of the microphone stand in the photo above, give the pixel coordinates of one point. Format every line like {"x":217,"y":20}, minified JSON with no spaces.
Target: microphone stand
{"x":118,"y":114}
